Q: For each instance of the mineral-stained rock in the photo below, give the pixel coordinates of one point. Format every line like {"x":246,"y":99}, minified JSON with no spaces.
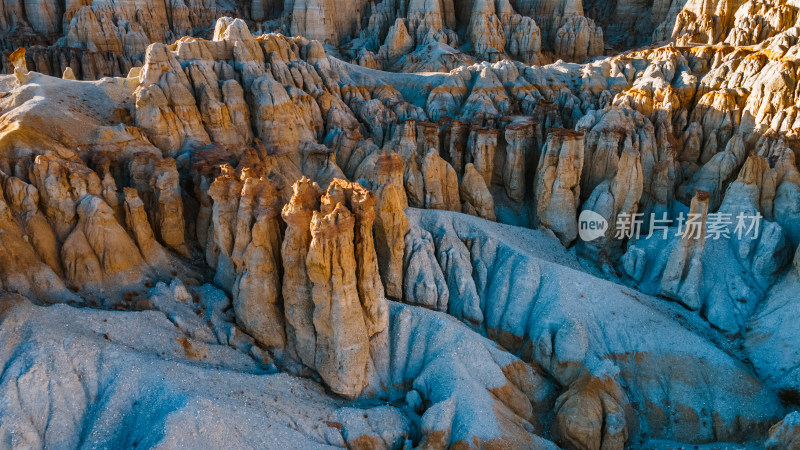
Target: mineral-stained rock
{"x":50,"y":176}
{"x":481,"y":147}
{"x":715,"y":175}
{"x":786,"y":433}
{"x":342,"y":342}
{"x":99,"y":249}
{"x":557,"y":185}
{"x":441,"y":183}
{"x":21,"y":270}
{"x":447,"y":374}
{"x":524,"y":41}
{"x":475,"y":196}
{"x":136,"y":220}
{"x":17,"y":59}
{"x":684,"y":270}
{"x":225,"y":191}
{"x":427,"y":137}
{"x":611,"y":132}
{"x":485,"y":30}
{"x":170,"y":224}
{"x":370,"y":289}
{"x":740,"y":247}
{"x":578,"y":39}
{"x":296,"y":289}
{"x":523,"y":308}
{"x":24,"y":199}
{"x":280,"y":118}
{"x":592,"y":413}
{"x":322,"y":20}
{"x":459,"y":137}
{"x":165,"y":107}
{"x":256,"y":291}
{"x":68,"y":74}
{"x":108,"y":185}
{"x":398,"y":41}
{"x":786,"y":203}
{"x":617,"y":201}
{"x":404,"y":142}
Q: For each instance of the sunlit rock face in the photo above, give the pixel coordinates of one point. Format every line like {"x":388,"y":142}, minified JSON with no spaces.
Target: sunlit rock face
{"x":433,"y":223}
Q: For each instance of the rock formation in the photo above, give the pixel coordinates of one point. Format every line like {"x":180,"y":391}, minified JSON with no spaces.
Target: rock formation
{"x":256,"y":255}
{"x":684,"y":270}
{"x":169,"y":205}
{"x":286,"y":200}
{"x":441,"y":183}
{"x":298,"y":301}
{"x":520,"y":153}
{"x":481,"y":151}
{"x":784,"y":434}
{"x":391,"y":224}
{"x":557,"y":186}
{"x":476,"y":198}
{"x":342,"y":342}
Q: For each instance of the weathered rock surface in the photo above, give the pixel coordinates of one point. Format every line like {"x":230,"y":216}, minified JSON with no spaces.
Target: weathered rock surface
{"x":298,"y":302}
{"x":342,"y":342}
{"x":280,"y":169}
{"x":785,"y":434}
{"x":557,"y":187}
{"x":571,"y":339}
{"x":475,"y":195}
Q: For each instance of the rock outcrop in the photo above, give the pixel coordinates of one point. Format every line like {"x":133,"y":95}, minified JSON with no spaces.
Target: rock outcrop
{"x":481,"y":149}
{"x":391,"y":223}
{"x":592,"y":413}
{"x":342,"y":342}
{"x":256,"y":255}
{"x":296,"y":288}
{"x":683,"y":273}
{"x":168,"y":216}
{"x":786,"y":433}
{"x":520,"y":154}
{"x":557,"y":187}
{"x":476,"y":198}
{"x":98,"y":250}
{"x":294,"y":204}
{"x":570,"y":337}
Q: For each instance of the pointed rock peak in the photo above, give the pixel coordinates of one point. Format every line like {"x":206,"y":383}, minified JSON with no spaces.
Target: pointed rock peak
{"x":230,"y":29}
{"x":336,"y":221}
{"x":305,"y":199}
{"x":736,"y":147}
{"x":753,"y":169}
{"x":504,"y":8}
{"x":334,"y":196}
{"x":68,"y":74}
{"x":264,"y":194}
{"x":94,"y":206}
